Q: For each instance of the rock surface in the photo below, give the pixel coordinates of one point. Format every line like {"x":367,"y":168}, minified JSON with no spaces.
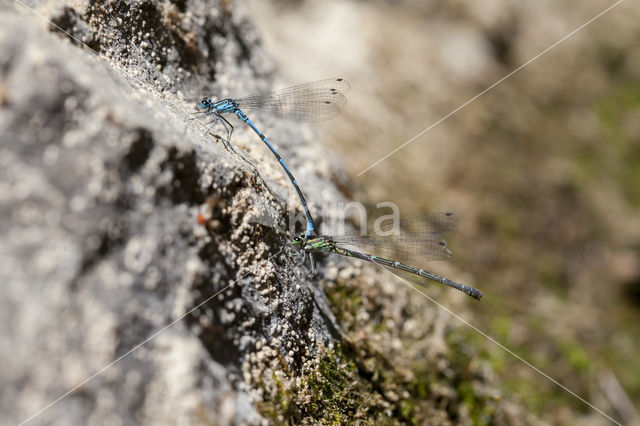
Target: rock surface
{"x":120,"y":304}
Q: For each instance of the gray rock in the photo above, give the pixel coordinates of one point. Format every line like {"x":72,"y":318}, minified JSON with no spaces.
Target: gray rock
{"x":147,"y":275}
{"x":103,"y":175}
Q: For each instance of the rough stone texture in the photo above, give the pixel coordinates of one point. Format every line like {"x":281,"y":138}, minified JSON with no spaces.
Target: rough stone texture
{"x":103,"y":174}
{"x":543,"y":169}
{"x":102,"y":179}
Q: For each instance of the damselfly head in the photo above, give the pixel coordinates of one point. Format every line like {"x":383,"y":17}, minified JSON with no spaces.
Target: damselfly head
{"x":296,"y":241}
{"x":206,"y":103}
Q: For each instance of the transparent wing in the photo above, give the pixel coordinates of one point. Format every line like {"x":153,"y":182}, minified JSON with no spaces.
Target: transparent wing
{"x":413,"y":240}
{"x":316,"y":101}
{"x":404,"y":247}
{"x":440,"y":222}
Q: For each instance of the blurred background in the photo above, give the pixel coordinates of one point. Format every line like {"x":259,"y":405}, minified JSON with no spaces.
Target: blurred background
{"x":543,"y":170}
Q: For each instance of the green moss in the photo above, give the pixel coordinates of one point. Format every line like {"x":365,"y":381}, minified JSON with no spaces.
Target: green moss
{"x":346,"y":302}
{"x":407,"y":411}
{"x":501,"y":326}
{"x":331,"y":388}
{"x":365,"y":383}
{"x":280,"y":405}
{"x":329,"y":394}
{"x":614,"y":112}
{"x":576,"y":356}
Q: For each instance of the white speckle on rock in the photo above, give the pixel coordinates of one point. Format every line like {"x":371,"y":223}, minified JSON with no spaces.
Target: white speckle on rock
{"x":138,"y":253}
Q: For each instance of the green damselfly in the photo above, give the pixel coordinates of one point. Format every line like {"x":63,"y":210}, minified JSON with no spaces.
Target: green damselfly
{"x":420,"y":237}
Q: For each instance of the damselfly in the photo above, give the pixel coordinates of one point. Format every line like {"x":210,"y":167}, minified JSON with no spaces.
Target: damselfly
{"x":317,"y":101}
{"x":419,"y":237}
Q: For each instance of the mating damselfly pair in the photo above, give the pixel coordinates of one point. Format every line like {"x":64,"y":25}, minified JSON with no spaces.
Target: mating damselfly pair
{"x":321,"y":100}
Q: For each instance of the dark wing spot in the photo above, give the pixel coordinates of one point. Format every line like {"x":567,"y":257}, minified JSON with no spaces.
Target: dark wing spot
{"x":327,"y":102}
{"x":339,"y":79}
